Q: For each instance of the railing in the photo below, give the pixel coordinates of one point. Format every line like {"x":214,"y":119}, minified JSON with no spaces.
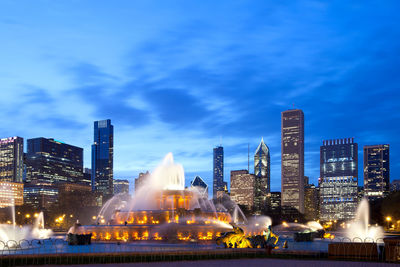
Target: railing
{"x":57,"y":251}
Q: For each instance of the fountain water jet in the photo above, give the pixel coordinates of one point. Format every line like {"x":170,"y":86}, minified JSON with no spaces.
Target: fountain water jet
{"x":162,"y":209}
{"x":36,"y":231}
{"x":360,"y":230}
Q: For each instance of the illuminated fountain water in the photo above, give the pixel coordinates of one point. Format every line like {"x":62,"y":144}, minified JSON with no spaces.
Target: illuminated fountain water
{"x":161,"y":209}
{"x":359,"y":230}
{"x":17,"y":233}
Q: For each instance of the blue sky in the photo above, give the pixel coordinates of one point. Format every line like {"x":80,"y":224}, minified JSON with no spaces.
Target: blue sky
{"x":179,"y":76}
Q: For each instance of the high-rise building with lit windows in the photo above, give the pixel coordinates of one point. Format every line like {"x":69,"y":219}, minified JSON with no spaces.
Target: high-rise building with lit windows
{"x":50,"y":162}
{"x":242,"y":188}
{"x":338,"y":179}
{"x":262,"y":171}
{"x":12,"y":159}
{"x":376,"y":171}
{"x":11,"y":194}
{"x":292,"y":160}
{"x":218,"y":171}
{"x":103,"y":157}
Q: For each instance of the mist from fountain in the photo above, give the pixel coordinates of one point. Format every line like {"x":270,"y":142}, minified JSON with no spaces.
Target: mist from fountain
{"x":170,"y":176}
{"x":17,"y":233}
{"x":359,"y":229}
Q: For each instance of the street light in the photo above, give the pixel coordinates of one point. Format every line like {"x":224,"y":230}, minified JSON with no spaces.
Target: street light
{"x":388,"y":219}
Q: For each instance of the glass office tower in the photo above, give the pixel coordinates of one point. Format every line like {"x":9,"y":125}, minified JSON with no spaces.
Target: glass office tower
{"x":262,"y":170}
{"x":218,"y":171}
{"x":376,"y":171}
{"x":12,"y":159}
{"x":102,"y":157}
{"x":338,"y":179}
{"x":49,"y":161}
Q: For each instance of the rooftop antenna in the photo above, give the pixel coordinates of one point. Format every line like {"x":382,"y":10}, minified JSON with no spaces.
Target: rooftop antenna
{"x":248,"y":157}
{"x":293,"y":105}
{"x":220,"y":140}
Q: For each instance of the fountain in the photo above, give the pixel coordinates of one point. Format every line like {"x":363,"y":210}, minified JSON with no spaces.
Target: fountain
{"x":359,"y":230}
{"x":17,"y":233}
{"x":162,"y":209}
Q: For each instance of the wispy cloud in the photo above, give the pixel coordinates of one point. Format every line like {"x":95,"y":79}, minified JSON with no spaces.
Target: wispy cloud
{"x":177,"y":77}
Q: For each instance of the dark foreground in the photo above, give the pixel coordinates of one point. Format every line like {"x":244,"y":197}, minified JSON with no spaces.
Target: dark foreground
{"x":245,"y":262}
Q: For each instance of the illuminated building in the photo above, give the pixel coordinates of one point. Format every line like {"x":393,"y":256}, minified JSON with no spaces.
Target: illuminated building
{"x":201,"y":185}
{"x":243,"y":188}
{"x":142,"y":178}
{"x":87,"y":177}
{"x":72,"y":192}
{"x":376,"y":171}
{"x":339,"y":179}
{"x":12,"y":159}
{"x":49,"y":162}
{"x":11,"y":194}
{"x":218,"y":171}
{"x":121,"y":186}
{"x":311,"y":202}
{"x":395,"y":185}
{"x":102,"y":157}
{"x":262,"y":168}
{"x":275,"y":201}
{"x":292,"y":161}
{"x":40,"y":196}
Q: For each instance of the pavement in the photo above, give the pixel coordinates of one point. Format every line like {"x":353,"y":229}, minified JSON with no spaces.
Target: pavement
{"x":243,"y":263}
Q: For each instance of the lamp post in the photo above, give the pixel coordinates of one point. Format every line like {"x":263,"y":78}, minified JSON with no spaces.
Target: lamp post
{"x":388,"y":219}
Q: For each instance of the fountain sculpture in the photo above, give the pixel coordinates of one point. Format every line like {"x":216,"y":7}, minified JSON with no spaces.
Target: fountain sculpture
{"x":162,"y":209}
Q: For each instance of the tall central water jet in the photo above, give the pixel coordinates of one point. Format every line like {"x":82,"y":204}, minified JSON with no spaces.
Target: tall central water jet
{"x":161,"y":209}
{"x":359,"y":230}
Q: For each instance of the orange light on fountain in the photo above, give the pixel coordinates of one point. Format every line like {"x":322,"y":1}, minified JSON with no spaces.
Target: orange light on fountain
{"x":176,"y":218}
{"x":94,"y":235}
{"x":208,"y":236}
{"x":157,"y":237}
{"x":145,"y":235}
{"x":107,"y":236}
{"x":125,"y":236}
{"x":182,"y":237}
{"x":135,"y":236}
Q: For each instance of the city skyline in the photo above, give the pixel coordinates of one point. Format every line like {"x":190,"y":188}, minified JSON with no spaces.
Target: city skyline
{"x":182,"y":92}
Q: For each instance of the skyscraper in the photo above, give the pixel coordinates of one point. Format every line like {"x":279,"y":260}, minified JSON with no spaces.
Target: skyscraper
{"x":338,"y":179}
{"x":121,"y":186}
{"x":311,"y":202}
{"x":49,"y":161}
{"x":11,"y":159}
{"x":376,"y":171}
{"x":102,"y":157}
{"x":243,"y":188}
{"x":292,"y":159}
{"x":218,"y":171}
{"x":262,"y":173}
{"x":201,"y":185}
